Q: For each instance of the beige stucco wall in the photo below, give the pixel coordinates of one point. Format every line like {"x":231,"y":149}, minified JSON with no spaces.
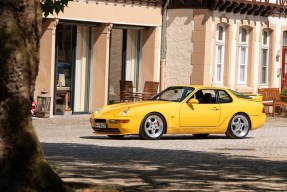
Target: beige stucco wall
{"x":178,"y":67}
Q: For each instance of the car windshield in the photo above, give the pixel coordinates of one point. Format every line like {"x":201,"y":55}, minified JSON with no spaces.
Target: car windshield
{"x":175,"y":94}
{"x":240,"y":95}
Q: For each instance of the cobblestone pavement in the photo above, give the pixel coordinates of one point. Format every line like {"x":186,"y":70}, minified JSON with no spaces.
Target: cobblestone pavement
{"x":174,"y":163}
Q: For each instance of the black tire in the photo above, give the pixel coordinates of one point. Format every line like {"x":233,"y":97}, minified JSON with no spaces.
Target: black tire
{"x":152,"y":126}
{"x":116,"y":136}
{"x":200,"y":135}
{"x":238,"y":127}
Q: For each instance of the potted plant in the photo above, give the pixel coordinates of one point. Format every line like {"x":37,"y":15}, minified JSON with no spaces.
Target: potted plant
{"x":283,"y":94}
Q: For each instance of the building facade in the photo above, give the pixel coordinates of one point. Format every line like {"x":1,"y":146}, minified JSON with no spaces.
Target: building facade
{"x":236,"y":44}
{"x":88,"y":48}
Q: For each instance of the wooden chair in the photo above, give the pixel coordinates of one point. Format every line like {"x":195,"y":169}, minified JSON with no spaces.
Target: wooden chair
{"x":271,"y":98}
{"x":150,"y":89}
{"x":126,"y":91}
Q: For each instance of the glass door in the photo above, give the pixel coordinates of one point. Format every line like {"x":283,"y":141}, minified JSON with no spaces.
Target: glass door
{"x":64,"y":62}
{"x":125,"y":50}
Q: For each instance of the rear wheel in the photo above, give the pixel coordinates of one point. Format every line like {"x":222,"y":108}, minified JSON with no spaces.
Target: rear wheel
{"x":238,"y":127}
{"x":116,"y":136}
{"x":152,"y":127}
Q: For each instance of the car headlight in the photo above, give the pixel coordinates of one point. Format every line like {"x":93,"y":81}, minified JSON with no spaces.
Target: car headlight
{"x":98,"y":110}
{"x":124,"y":112}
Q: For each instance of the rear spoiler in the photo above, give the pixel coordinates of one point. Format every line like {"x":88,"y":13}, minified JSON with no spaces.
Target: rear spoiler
{"x":255,"y":97}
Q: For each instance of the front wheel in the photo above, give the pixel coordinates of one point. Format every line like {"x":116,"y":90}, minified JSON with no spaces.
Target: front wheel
{"x":152,"y":126}
{"x":238,"y":127}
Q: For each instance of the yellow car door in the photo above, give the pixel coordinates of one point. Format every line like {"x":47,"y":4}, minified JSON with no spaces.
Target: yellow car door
{"x":199,"y":115}
{"x":206,"y":113}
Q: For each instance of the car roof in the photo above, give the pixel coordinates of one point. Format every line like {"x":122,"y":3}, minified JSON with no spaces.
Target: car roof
{"x":202,"y":87}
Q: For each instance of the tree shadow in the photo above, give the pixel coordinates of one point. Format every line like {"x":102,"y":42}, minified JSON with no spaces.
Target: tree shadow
{"x":147,"y":169}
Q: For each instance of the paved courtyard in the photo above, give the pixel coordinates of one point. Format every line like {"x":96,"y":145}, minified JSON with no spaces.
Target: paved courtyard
{"x":174,"y":163}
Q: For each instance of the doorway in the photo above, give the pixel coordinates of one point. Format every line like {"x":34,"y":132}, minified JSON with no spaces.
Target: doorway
{"x":64,"y":66}
{"x":72,"y":66}
{"x":125,"y":55}
{"x":284,"y":68}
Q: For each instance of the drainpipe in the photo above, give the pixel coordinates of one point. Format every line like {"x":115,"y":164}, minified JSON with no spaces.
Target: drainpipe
{"x":163,"y":46}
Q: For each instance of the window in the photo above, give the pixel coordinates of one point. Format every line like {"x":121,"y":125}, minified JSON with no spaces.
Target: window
{"x":285,"y":38}
{"x":176,"y":94}
{"x":264,"y":55}
{"x":240,"y":95}
{"x":243,"y":56}
{"x":220,"y":33}
{"x":265,"y":37}
{"x":223,"y":97}
{"x":220,"y":44}
{"x":125,"y":59}
{"x":205,"y":96}
{"x":243,"y":35}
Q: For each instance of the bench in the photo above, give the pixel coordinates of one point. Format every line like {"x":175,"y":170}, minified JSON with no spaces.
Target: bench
{"x":271,"y":98}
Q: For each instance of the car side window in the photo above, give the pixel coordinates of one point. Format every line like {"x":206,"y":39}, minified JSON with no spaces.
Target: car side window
{"x":205,"y":96}
{"x":198,"y":95}
{"x":223,"y":97}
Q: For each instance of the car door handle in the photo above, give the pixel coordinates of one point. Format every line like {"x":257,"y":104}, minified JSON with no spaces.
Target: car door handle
{"x":215,"y":108}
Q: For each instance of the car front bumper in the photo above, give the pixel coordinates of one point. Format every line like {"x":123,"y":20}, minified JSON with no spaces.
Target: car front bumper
{"x":115,"y":125}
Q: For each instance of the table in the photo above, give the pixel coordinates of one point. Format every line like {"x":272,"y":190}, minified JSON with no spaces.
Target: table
{"x":66,"y":92}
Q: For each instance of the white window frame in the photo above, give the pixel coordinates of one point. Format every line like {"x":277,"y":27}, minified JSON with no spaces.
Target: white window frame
{"x":243,"y":45}
{"x":220,"y":43}
{"x":264,"y":47}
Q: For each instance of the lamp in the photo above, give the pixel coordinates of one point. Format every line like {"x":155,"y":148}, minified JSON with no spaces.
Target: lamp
{"x":277,"y":55}
{"x":43,"y":104}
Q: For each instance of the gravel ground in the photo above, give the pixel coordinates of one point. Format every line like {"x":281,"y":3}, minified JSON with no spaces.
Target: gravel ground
{"x":174,"y":163}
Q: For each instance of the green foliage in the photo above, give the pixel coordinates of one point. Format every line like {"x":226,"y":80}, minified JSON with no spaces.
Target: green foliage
{"x":55,"y":168}
{"x":51,"y":6}
{"x":284,"y":94}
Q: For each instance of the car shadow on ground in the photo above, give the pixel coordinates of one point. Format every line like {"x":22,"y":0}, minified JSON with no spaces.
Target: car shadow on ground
{"x":147,"y":169}
{"x":166,"y":137}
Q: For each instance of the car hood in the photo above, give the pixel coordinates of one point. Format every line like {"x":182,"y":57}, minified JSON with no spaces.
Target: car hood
{"x":118,"y":108}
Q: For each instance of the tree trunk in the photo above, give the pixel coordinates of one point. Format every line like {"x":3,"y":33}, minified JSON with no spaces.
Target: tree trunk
{"x":22,"y":164}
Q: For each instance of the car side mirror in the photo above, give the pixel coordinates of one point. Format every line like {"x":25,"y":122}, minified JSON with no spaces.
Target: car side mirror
{"x":192,"y":101}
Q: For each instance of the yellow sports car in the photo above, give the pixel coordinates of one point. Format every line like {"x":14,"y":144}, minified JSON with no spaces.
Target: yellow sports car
{"x":197,"y":110}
